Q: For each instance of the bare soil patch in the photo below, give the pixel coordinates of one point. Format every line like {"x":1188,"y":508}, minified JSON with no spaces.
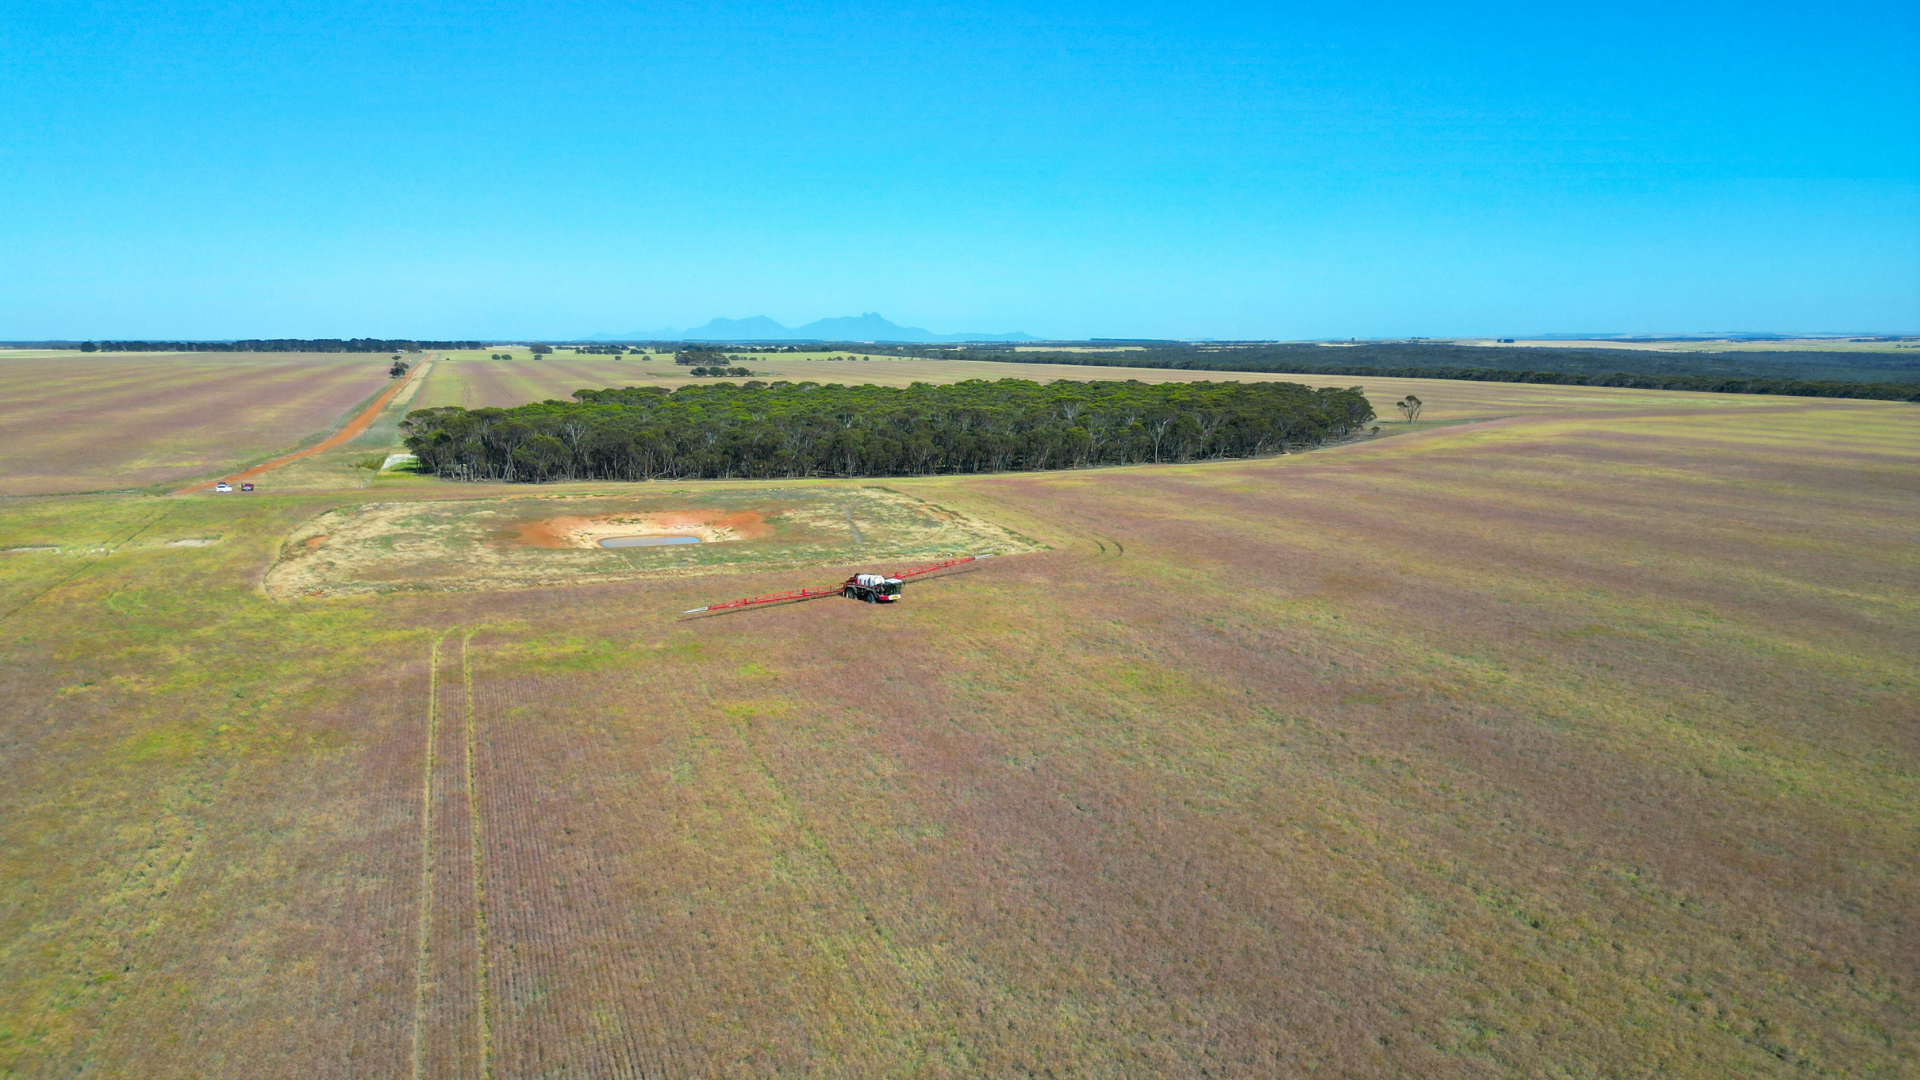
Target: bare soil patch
{"x":575,"y":531}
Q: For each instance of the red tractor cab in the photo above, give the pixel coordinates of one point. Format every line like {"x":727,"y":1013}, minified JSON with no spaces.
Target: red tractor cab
{"x":873,"y":588}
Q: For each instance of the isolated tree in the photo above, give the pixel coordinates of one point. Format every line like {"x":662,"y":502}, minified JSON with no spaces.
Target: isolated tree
{"x":540,"y":350}
{"x":398,"y":369}
{"x":1410,"y":407}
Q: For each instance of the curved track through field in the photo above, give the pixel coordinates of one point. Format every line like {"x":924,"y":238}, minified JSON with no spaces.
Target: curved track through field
{"x":353,"y":429}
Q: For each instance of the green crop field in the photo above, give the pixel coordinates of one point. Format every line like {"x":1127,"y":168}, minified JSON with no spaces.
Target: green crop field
{"x":1568,"y":731}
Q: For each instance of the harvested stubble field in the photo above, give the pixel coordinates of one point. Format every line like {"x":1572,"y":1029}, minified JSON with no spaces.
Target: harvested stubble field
{"x":473,"y":383}
{"x":87,"y":422}
{"x":1574,"y":743}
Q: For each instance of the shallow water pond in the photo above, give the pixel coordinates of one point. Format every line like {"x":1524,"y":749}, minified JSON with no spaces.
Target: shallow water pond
{"x":646,"y":541}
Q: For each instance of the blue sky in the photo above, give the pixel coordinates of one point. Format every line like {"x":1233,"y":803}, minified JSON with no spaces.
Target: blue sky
{"x":1165,"y":170}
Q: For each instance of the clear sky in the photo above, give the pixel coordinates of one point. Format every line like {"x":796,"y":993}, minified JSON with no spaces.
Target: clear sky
{"x":1186,"y":169}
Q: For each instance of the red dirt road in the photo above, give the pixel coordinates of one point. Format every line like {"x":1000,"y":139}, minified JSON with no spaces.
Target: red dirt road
{"x":352,"y":431}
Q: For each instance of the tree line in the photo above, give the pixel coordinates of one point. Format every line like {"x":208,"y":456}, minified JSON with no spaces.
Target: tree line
{"x":317,"y":345}
{"x":1800,"y":374}
{"x":759,"y":430}
{"x":1714,"y":384}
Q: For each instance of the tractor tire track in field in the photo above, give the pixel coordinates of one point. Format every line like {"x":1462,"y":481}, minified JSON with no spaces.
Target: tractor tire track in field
{"x":452,"y":1022}
{"x":537,"y":964}
{"x":478,"y":836}
{"x":352,"y":430}
{"x":422,"y":952}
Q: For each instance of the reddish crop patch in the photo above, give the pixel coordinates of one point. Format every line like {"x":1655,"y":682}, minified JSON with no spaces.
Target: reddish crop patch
{"x":350,"y":430}
{"x":86,"y":423}
{"x":475,"y":383}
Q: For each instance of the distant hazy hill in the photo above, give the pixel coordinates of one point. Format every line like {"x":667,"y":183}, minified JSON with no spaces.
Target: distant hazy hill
{"x":867,"y":327}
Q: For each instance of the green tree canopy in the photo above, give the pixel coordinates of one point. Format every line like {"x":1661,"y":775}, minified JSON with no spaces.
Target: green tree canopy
{"x":721,"y":430}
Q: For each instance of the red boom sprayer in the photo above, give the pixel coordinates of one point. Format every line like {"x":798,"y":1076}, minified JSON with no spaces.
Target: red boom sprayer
{"x":873,"y":588}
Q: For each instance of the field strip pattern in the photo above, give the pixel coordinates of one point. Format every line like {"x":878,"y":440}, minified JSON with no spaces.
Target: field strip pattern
{"x":347,"y":433}
{"x":577,"y":986}
{"x":452,"y":1033}
{"x":171,"y":416}
{"x":530,"y":960}
{"x":422,"y":951}
{"x":476,"y":846}
{"x":616,"y":905}
{"x":871,"y":954}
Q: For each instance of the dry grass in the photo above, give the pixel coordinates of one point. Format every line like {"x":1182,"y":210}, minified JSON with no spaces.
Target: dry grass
{"x":119,"y":421}
{"x":1576,"y":743}
{"x":534,"y":540}
{"x":473,"y":382}
{"x":79,"y":422}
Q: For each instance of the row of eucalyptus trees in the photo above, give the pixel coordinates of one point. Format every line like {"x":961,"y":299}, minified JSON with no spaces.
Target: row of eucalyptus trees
{"x":761,"y":430}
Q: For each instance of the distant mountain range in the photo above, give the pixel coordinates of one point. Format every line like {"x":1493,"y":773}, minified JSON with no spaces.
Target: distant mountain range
{"x":867,"y":327}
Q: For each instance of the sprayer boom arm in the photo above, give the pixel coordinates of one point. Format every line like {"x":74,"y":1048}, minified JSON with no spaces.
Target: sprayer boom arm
{"x":797,"y":594}
{"x":835,"y":590}
{"x":918,"y":570}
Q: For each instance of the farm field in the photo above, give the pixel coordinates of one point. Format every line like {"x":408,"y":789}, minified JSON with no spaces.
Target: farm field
{"x":1824,"y":345}
{"x":199,"y":416}
{"x":1577,"y":740}
{"x":86,"y":422}
{"x":376,"y":422}
{"x":476,"y":382}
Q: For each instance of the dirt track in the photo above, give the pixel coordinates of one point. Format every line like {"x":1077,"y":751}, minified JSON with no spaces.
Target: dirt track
{"x":353,"y":430}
